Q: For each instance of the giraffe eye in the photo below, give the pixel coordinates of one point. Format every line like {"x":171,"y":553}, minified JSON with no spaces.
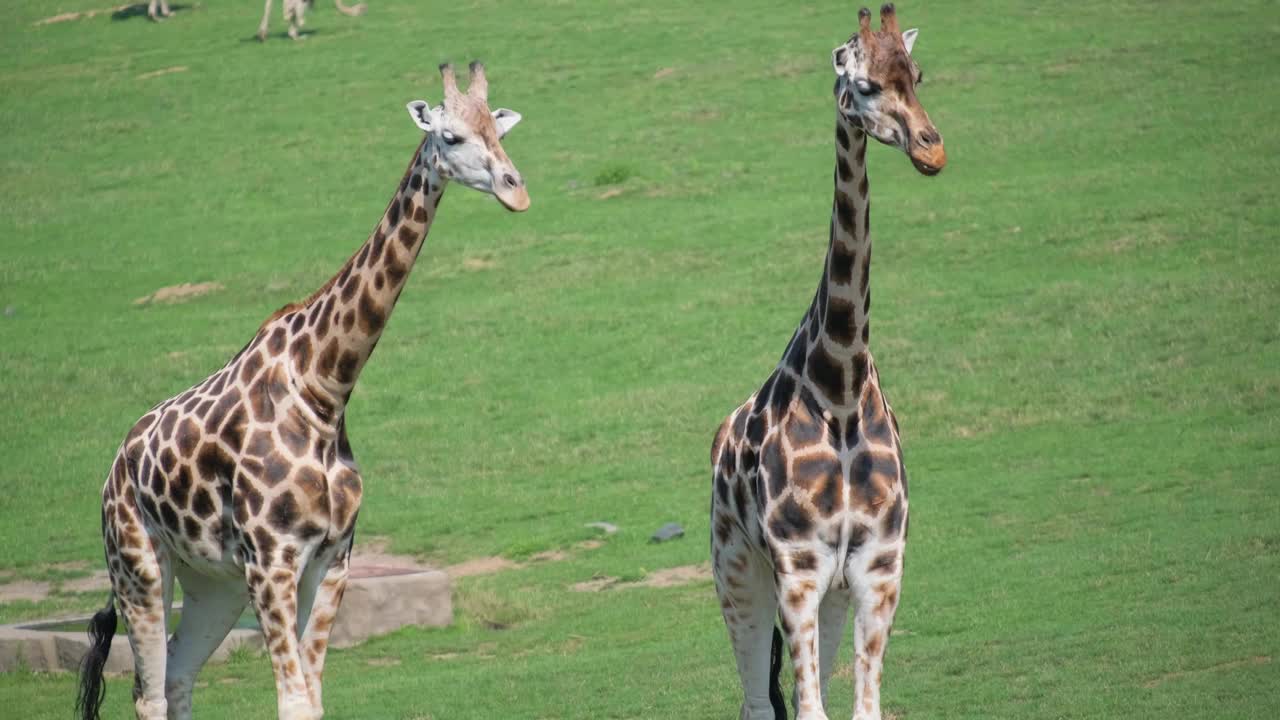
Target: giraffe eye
{"x":866,"y":87}
{"x":450,"y":138}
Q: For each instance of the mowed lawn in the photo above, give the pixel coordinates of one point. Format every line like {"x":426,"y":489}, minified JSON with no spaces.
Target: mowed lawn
{"x":1078,"y":323}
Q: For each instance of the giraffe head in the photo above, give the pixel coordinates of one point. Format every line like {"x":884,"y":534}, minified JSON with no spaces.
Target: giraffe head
{"x":464,"y":139}
{"x":875,"y":90}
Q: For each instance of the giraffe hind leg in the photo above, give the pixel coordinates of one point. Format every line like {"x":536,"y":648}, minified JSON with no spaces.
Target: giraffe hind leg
{"x":210,"y":608}
{"x":143,"y":585}
{"x":320,"y":594}
{"x":833,"y":613}
{"x":274,"y":593}
{"x":876,"y":583}
{"x":749,"y":604}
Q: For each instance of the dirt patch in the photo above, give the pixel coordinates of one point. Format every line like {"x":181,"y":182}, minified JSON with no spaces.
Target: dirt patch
{"x":664,"y":72}
{"x":668,"y":577}
{"x":595,"y":584}
{"x":550,"y":556}
{"x":165,"y":71}
{"x":479,"y":263}
{"x":29,"y":590}
{"x":371,"y":558}
{"x":179,"y":293}
{"x":383,"y":662}
{"x":99,"y":581}
{"x":481,"y":566}
{"x":610,"y":193}
{"x":69,"y":16}
{"x":589,"y":545}
{"x":1230,"y":665}
{"x":672,"y":577}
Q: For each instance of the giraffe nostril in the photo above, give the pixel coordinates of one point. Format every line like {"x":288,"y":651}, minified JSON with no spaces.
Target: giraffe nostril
{"x":510,"y":180}
{"x":929,"y":137}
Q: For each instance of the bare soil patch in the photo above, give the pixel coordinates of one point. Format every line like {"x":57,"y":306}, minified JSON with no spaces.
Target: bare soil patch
{"x":164,"y":71}
{"x":595,"y":584}
{"x":550,"y":556}
{"x":69,"y":16}
{"x":668,"y":577}
{"x":99,"y":581}
{"x":179,"y":293}
{"x":481,"y":566}
{"x":30,"y":590}
{"x":672,"y":577}
{"x":371,"y":558}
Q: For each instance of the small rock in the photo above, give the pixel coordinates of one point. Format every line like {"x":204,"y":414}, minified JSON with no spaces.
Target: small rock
{"x":670,"y":531}
{"x":607,"y":528}
{"x":10,"y":311}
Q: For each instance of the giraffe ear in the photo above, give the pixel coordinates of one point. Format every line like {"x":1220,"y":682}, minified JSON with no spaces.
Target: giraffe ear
{"x":505,"y":120}
{"x":839,"y":57}
{"x":909,"y":38}
{"x":420,"y":111}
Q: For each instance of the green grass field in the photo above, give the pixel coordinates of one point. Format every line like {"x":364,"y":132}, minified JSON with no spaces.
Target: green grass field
{"x":1078,"y":323}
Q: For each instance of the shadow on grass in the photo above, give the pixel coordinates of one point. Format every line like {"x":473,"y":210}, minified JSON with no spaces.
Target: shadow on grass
{"x":130,"y":12}
{"x":282,"y":35}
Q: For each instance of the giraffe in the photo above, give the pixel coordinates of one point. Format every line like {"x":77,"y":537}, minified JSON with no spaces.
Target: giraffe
{"x":295,"y":10}
{"x":809,"y":492}
{"x":244,"y":487}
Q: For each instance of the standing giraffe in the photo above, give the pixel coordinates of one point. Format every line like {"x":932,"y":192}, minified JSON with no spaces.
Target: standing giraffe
{"x":295,"y":11}
{"x":244,"y":487}
{"x":809,"y":498}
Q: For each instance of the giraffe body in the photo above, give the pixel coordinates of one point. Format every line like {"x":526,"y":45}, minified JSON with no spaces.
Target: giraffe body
{"x":244,"y":488}
{"x":809,"y":490}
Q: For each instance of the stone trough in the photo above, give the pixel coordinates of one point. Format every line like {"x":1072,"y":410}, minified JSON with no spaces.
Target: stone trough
{"x":380,"y":598}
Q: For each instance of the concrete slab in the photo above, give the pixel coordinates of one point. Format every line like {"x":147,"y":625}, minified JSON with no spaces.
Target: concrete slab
{"x":379,"y":599}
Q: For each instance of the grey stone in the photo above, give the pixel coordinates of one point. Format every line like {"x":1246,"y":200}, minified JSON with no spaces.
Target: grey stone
{"x":608,"y":528}
{"x":385,"y":603}
{"x":670,"y":531}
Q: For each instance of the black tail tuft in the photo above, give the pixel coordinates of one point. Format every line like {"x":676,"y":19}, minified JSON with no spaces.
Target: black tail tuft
{"x":102,"y":629}
{"x":775,"y":688}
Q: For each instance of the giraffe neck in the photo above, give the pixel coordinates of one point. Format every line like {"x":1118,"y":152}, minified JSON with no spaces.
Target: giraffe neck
{"x":829,"y":349}
{"x":843,"y":302}
{"x":333,"y":333}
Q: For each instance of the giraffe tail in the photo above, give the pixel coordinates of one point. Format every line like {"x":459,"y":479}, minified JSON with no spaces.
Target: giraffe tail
{"x":102,"y":629}
{"x":775,"y":667}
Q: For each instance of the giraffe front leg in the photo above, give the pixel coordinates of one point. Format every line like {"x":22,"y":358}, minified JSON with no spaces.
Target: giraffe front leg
{"x":164,"y":8}
{"x":262,"y":27}
{"x":274,"y":593}
{"x":153,"y":10}
{"x":321,"y":595}
{"x":876,"y":587}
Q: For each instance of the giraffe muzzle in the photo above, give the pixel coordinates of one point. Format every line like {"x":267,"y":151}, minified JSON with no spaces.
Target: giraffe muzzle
{"x":929,"y":160}
{"x":515,"y":199}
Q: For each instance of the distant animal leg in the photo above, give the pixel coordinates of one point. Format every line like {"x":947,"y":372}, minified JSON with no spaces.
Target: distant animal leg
{"x":262,"y":29}
{"x":350,"y":10}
